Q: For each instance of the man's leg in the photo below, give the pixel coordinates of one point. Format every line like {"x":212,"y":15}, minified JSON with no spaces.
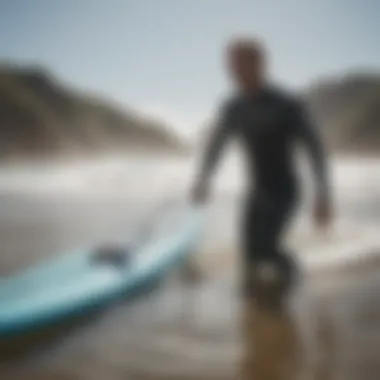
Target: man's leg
{"x":254,"y":237}
{"x":282,"y":259}
{"x":264,"y":222}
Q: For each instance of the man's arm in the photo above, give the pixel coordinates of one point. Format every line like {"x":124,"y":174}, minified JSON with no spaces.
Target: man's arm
{"x":312,"y":140}
{"x":214,"y":147}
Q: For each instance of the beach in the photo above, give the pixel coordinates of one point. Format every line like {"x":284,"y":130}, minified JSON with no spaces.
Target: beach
{"x":202,"y":330}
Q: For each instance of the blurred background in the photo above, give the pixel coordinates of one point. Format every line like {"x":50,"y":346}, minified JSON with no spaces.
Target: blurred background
{"x":104,"y":109}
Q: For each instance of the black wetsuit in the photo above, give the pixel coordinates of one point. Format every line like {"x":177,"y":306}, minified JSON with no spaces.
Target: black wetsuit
{"x":267,"y":126}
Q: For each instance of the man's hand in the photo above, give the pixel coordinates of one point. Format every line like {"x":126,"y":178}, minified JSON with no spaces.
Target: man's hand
{"x":322,"y":213}
{"x":200,"y":193}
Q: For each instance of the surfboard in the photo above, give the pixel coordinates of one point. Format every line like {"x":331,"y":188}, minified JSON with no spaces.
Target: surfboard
{"x":72,"y":283}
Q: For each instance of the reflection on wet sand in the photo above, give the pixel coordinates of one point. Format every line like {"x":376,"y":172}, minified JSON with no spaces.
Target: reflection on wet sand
{"x":282,"y":344}
{"x":271,"y":344}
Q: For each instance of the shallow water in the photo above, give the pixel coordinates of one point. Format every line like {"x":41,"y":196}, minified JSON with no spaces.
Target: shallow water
{"x":203,"y":330}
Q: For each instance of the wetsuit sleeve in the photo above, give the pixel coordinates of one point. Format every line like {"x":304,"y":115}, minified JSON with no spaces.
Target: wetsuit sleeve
{"x":219,"y":135}
{"x":310,"y":137}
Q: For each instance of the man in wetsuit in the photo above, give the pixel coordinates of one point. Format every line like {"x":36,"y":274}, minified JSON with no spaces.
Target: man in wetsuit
{"x":268,"y":122}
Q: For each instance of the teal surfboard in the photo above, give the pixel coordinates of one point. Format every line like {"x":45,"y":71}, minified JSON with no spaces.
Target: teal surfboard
{"x":72,"y":283}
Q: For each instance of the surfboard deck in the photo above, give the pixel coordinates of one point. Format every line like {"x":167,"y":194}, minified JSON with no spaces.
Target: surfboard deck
{"x":72,"y":283}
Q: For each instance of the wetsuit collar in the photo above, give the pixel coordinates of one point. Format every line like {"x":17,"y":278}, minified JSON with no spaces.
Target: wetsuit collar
{"x":261,"y":93}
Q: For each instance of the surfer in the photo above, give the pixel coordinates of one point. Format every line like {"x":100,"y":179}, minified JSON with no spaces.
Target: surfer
{"x":267,"y":121}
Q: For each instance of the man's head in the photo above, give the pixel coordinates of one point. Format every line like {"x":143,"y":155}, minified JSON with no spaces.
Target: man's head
{"x":247,"y":63}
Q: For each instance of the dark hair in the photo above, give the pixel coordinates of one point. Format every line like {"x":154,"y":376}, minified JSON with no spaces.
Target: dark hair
{"x":247,"y":46}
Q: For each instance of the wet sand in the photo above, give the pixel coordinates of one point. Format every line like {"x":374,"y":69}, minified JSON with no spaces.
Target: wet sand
{"x":181,"y":330}
{"x":204,"y":332}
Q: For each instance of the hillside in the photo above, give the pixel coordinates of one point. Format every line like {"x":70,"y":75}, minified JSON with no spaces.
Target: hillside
{"x":348,"y":111}
{"x":40,"y":116}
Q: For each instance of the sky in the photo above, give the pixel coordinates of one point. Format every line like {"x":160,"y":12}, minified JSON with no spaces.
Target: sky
{"x":166,"y":56}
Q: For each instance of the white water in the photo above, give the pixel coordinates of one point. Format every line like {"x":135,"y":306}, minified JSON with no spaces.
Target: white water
{"x":354,"y":174}
{"x":356,"y":187}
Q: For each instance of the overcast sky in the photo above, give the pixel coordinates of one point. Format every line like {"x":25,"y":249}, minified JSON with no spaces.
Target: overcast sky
{"x":164,"y":56}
